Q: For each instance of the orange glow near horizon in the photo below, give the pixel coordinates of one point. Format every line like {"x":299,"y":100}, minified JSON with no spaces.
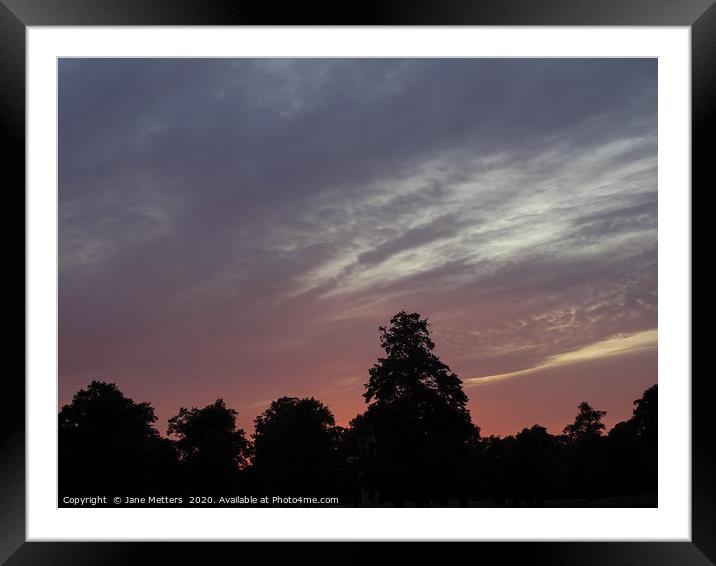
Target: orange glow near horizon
{"x":240,"y":228}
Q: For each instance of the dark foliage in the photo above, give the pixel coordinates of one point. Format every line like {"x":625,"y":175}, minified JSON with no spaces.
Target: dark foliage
{"x":108,"y":444}
{"x":413,"y":441}
{"x":212,"y":451}
{"x":628,"y":461}
{"x":414,"y":444}
{"x":296,"y":448}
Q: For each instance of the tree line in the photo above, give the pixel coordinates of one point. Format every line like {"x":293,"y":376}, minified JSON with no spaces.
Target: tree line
{"x":415,"y":444}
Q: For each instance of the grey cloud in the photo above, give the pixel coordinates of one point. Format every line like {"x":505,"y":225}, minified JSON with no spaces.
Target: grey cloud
{"x":436,"y":230}
{"x":201,"y":196}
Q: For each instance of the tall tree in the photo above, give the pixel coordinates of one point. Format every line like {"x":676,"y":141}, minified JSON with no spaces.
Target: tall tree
{"x":587,"y":424}
{"x":417,"y":430}
{"x":584,"y":442}
{"x":410,"y":371}
{"x":212,"y":449}
{"x":295,"y":448}
{"x":646,"y":416}
{"x":629,"y":459}
{"x":108,"y":444}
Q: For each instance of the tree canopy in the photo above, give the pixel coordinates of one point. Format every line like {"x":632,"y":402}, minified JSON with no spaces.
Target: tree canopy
{"x":210,"y":445}
{"x":587,"y":424}
{"x":417,"y":418}
{"x":646,"y":413}
{"x":108,"y":440}
{"x":410,"y":370}
{"x":295,"y":444}
{"x":414,"y":442}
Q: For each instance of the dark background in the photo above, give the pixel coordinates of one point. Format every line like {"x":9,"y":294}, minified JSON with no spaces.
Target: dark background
{"x":16,"y":14}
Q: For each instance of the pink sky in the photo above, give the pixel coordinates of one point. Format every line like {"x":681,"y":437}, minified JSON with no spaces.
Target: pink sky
{"x":240,"y":228}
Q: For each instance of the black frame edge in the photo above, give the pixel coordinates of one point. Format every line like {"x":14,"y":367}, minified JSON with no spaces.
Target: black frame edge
{"x":12,"y":139}
{"x":548,"y":553}
{"x":368,"y":12}
{"x":703,"y":117}
{"x":15,"y":15}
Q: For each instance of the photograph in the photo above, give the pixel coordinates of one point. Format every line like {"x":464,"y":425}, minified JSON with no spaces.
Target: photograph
{"x":357,"y":282}
{"x":404,"y":273}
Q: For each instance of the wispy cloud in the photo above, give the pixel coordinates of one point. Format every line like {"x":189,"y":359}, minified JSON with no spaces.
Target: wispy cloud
{"x":247,"y":223}
{"x":613,"y":346}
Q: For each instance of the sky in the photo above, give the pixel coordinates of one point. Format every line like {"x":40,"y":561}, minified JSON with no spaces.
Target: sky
{"x":239,"y":228}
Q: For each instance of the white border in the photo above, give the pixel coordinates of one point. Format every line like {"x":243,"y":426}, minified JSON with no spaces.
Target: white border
{"x":670,"y":521}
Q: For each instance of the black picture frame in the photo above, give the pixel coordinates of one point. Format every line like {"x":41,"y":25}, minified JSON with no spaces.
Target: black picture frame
{"x":16,"y":15}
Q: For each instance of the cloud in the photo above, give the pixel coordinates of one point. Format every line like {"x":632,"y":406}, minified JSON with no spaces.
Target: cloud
{"x":613,"y":346}
{"x":245,"y":222}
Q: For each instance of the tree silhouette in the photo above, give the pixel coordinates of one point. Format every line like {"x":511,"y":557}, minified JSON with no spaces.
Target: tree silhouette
{"x":645,"y":422}
{"x":620,"y":467}
{"x":587,"y":424}
{"x":629,"y":459}
{"x":646,"y":416}
{"x":417,"y":419}
{"x":414,"y":443}
{"x":108,"y":443}
{"x":532,"y":461}
{"x":211,"y":449}
{"x":295,"y":448}
{"x":411,"y":371}
{"x":491,"y":469}
{"x":584,"y":438}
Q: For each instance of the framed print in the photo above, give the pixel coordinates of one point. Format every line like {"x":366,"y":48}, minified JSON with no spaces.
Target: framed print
{"x":423,"y":274}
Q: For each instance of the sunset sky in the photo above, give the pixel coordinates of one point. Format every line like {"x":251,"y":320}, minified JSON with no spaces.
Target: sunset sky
{"x":239,"y":228}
